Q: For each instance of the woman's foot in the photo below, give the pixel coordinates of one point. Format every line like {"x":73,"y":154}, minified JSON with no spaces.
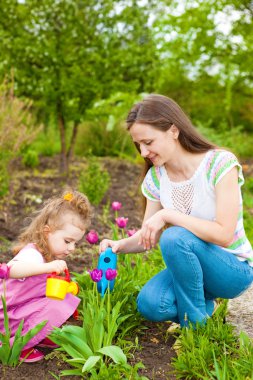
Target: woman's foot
{"x":47,"y":343}
{"x":31,"y":355}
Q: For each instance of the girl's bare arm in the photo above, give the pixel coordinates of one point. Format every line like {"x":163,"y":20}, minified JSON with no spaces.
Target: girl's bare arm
{"x":21,"y":269}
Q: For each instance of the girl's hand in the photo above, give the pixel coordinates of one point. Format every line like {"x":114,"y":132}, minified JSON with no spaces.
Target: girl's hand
{"x":151,"y":229}
{"x":57,"y":266}
{"x":114,"y":244}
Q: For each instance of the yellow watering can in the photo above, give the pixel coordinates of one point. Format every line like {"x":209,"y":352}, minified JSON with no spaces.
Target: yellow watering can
{"x":58,"y":286}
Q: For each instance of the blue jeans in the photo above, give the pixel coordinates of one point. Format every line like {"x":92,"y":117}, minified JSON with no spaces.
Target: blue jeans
{"x":197,"y":272}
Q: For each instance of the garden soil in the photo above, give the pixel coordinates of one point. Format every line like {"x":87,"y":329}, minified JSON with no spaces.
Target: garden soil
{"x":29,"y":187}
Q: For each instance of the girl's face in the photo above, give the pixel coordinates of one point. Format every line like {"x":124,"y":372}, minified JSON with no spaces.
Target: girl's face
{"x":156,"y":145}
{"x":62,"y":242}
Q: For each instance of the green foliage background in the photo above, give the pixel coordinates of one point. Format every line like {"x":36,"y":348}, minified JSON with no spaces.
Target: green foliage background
{"x":73,"y":59}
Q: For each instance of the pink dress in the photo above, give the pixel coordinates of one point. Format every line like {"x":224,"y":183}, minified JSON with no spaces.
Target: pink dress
{"x":25,"y":299}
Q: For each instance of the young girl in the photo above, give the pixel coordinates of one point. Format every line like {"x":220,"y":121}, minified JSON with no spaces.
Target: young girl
{"x":42,"y":249}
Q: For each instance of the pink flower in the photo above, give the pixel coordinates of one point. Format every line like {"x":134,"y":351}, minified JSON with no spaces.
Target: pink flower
{"x":116,"y":206}
{"x":96,"y":274}
{"x":121,"y":222}
{"x":110,"y":274}
{"x":92,"y":237}
{"x":4,"y":271}
{"x":131,"y":232}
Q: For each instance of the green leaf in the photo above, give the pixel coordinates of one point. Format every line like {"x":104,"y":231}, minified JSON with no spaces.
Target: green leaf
{"x":71,"y":372}
{"x":74,"y":330}
{"x":21,"y":340}
{"x":73,"y":336}
{"x":76,"y":360}
{"x":6,"y":319}
{"x":90,"y":363}
{"x":111,"y":123}
{"x":115,"y":353}
{"x":71,"y":351}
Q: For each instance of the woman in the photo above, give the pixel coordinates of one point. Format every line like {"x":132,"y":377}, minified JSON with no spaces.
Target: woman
{"x":195,"y":187}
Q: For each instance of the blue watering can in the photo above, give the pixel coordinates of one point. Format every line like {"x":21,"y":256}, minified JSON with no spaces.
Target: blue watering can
{"x":107,"y":260}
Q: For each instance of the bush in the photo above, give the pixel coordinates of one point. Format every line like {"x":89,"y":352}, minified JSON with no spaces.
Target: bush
{"x":47,"y":143}
{"x":30,"y":158}
{"x":104,"y":132}
{"x":16,"y":130}
{"x":4,"y":178}
{"x":94,"y":182}
{"x":235,"y":139}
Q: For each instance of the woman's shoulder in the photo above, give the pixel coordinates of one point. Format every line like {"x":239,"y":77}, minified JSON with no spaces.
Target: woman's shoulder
{"x":155,"y":172}
{"x":220,"y":152}
{"x":219,"y":162}
{"x":151,"y":184}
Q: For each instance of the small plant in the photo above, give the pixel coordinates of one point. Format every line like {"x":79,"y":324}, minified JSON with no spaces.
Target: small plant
{"x":9,"y":354}
{"x":91,"y":345}
{"x":30,"y":158}
{"x":213,"y":352}
{"x":94,"y":182}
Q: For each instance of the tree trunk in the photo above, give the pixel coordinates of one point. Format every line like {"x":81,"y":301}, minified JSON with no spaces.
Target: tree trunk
{"x":63,"y":155}
{"x":72,"y":142}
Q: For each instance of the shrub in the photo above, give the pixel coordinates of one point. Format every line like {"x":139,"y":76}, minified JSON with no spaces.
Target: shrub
{"x":16,"y":130}
{"x":94,"y":182}
{"x":103,"y":131}
{"x":235,"y":139}
{"x":30,"y":158}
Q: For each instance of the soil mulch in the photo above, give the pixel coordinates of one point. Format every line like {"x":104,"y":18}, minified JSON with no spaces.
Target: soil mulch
{"x":31,"y":186}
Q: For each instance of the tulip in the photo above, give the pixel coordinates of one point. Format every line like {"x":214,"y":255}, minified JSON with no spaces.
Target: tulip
{"x":116,"y":206}
{"x":4,"y":271}
{"x":92,"y":237}
{"x":121,"y":222}
{"x":131,"y":232}
{"x":110,"y":274}
{"x":96,"y":274}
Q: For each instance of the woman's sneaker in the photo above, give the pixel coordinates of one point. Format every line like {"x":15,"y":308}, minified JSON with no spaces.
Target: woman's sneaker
{"x":47,"y":343}
{"x":31,"y":355}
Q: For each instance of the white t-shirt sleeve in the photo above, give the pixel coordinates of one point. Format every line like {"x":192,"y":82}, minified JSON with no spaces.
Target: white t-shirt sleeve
{"x":151,"y":185}
{"x":29,"y":255}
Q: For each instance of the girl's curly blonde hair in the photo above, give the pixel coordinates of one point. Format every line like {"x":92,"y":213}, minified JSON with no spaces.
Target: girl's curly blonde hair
{"x":52,"y":214}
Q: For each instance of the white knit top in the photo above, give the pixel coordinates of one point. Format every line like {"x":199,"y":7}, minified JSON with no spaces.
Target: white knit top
{"x":196,"y":196}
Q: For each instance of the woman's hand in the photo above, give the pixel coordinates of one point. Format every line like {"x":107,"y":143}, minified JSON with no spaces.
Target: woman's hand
{"x":151,"y":230}
{"x":115,"y":245}
{"x":57,"y":266}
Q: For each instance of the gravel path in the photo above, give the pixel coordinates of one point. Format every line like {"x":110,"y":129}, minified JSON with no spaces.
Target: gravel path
{"x":240,"y":312}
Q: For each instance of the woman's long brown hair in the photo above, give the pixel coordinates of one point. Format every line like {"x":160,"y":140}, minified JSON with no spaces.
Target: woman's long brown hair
{"x":162,"y":112}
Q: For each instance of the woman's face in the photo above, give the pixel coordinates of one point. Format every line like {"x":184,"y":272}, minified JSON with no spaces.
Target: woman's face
{"x":156,"y":145}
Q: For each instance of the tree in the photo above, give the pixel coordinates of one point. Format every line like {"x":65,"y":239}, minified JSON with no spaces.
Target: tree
{"x":206,"y":48}
{"x":67,"y":53}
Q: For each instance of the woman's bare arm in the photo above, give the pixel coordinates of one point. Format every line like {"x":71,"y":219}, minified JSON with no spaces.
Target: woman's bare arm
{"x":219,"y":231}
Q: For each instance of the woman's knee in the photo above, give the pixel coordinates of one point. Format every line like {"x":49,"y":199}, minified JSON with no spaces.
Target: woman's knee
{"x":155,"y":309}
{"x":148,"y":309}
{"x":172,"y":237}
